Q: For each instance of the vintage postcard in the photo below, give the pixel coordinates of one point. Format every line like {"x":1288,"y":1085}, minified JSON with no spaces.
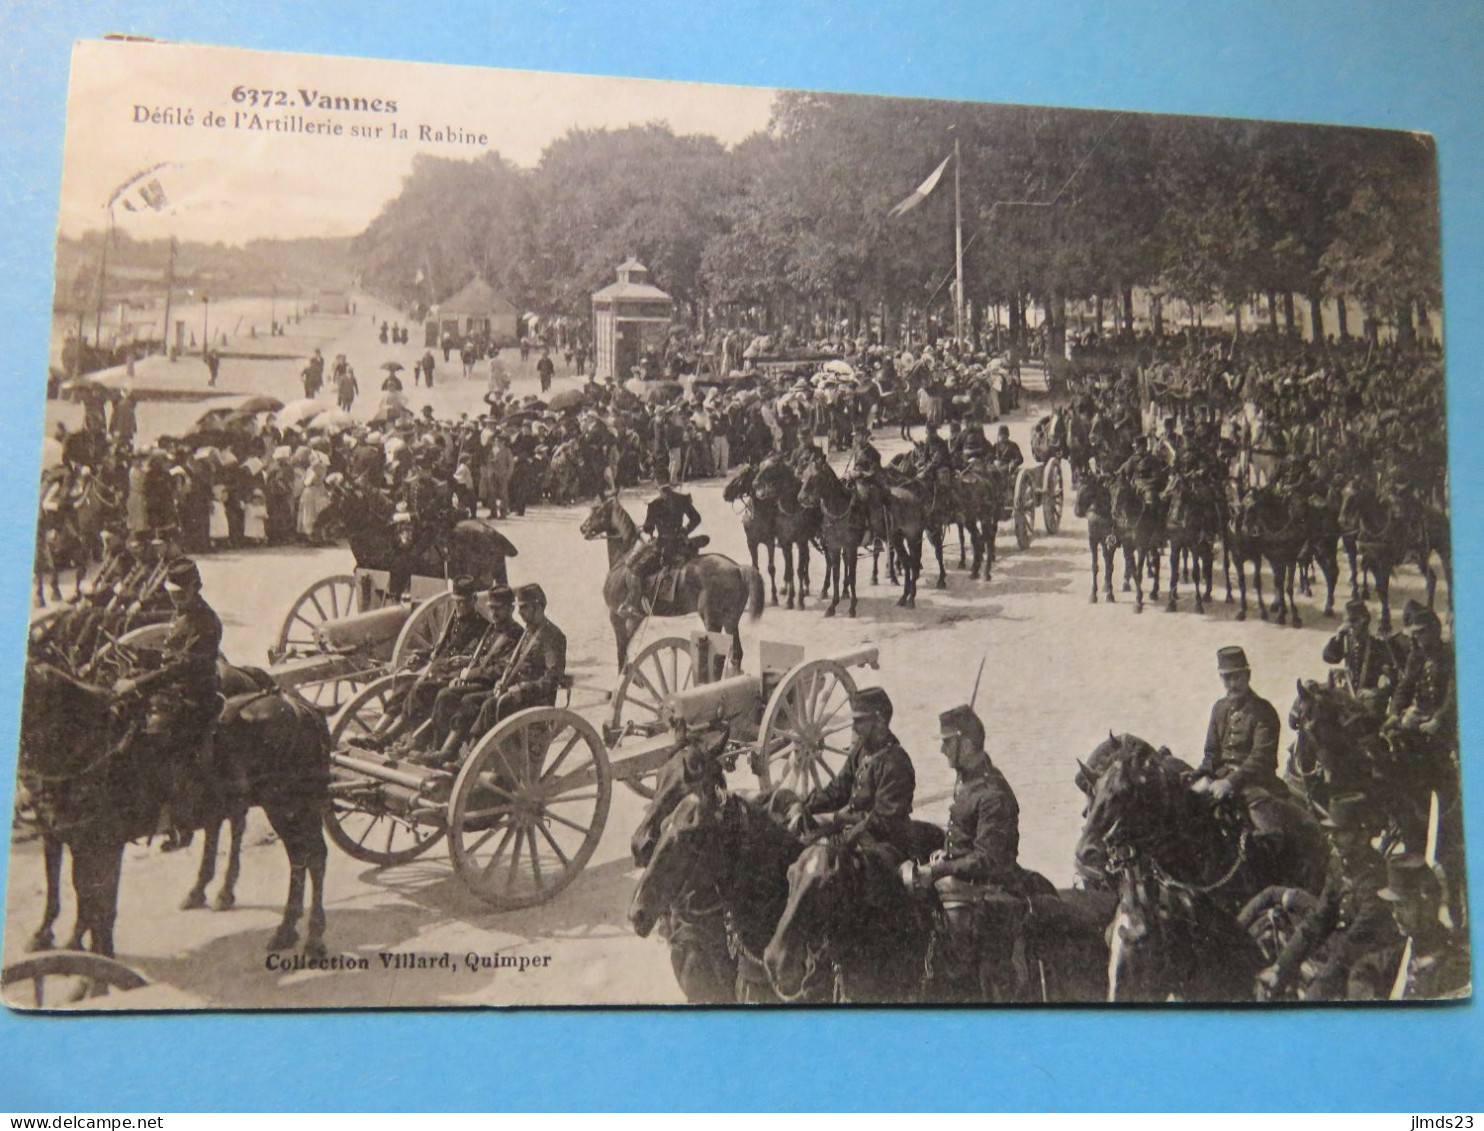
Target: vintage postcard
{"x":533,"y":539}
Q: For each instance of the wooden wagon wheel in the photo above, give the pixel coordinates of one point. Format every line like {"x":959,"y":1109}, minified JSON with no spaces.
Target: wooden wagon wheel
{"x":1052,"y":496}
{"x":328,"y":599}
{"x":528,"y":807}
{"x":364,"y":828}
{"x":94,"y":968}
{"x":422,"y":630}
{"x":805,"y":734}
{"x":664,"y":667}
{"x":1023,"y":507}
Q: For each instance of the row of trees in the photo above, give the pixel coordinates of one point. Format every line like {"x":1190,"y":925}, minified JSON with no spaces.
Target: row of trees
{"x":1058,"y":205}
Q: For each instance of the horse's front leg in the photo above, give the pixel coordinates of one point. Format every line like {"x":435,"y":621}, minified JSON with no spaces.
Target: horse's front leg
{"x":961,"y":548}
{"x":196,"y":897}
{"x":1177,"y":552}
{"x":51,"y":855}
{"x":937,"y":543}
{"x":772,"y":572}
{"x":852,"y":567}
{"x":1093,"y":549}
{"x":226,"y":896}
{"x":832,"y":580}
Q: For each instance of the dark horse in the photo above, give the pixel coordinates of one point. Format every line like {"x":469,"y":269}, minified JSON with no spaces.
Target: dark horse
{"x":848,"y":522}
{"x":1192,"y":525}
{"x":1140,"y":525}
{"x":1095,"y":503}
{"x":713,"y":586}
{"x":94,"y":789}
{"x":1183,"y":870}
{"x":1389,"y":529}
{"x":717,"y":872}
{"x":774,"y":518}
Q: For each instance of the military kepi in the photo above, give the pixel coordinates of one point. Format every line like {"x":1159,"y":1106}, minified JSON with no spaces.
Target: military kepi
{"x":871,"y":702}
{"x":1231,"y":659}
{"x":960,"y":720}
{"x":501,"y":595}
{"x":181,"y":574}
{"x":464,"y":586}
{"x":531,"y":592}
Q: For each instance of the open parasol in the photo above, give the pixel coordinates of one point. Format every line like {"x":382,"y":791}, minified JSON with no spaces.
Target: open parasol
{"x":296,"y":414}
{"x":332,"y":420}
{"x":567,"y":399}
{"x":256,"y":404}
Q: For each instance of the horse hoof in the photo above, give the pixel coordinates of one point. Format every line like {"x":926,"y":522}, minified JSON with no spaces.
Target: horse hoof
{"x":225,"y":901}
{"x":195,"y":901}
{"x":315,"y":949}
{"x":1296,"y":622}
{"x":283,"y":939}
{"x":851,"y":613}
{"x":1139,"y":608}
{"x":1169,"y":606}
{"x":790,"y":604}
{"x":829,"y":612}
{"x":1241,"y":614}
{"x":775,"y":600}
{"x":1093,"y":600}
{"x":1230,"y":599}
{"x":41,"y":940}
{"x":912,"y":602}
{"x":1200,"y":609}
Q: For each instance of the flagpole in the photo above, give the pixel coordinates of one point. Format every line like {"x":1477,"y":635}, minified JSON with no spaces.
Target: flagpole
{"x":102,"y":282}
{"x":958,"y":250}
{"x":169,"y":293}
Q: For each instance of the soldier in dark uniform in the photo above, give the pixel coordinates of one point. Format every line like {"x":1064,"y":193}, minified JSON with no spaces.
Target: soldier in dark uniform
{"x":457,"y":707}
{"x":1006,"y":452}
{"x":460,"y":636}
{"x":1368,"y":662}
{"x":1437,"y":963}
{"x":874,"y":788}
{"x":536,"y":667}
{"x":979,"y":853}
{"x":670,"y":521}
{"x":933,"y":454}
{"x":1424,"y":698}
{"x":1348,"y":920}
{"x":970,"y":444}
{"x":865,"y":477}
{"x":180,"y":696}
{"x":1241,"y":752}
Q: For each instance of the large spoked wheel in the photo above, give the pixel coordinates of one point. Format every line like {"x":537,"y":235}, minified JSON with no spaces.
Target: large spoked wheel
{"x":805,"y":734}
{"x":328,"y":599}
{"x":1052,"y":497}
{"x":1024,"y":507}
{"x":358,"y":821}
{"x":663,"y":668}
{"x":67,"y":971}
{"x":422,"y":630}
{"x":529,"y":806}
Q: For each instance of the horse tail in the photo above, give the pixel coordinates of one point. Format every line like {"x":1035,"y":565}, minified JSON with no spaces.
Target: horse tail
{"x":754,"y":592}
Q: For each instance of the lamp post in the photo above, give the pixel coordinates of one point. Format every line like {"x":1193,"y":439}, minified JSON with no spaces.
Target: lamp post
{"x":205,"y":324}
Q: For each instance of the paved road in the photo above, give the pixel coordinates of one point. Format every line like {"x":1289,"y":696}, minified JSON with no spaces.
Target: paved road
{"x":1059,"y":674}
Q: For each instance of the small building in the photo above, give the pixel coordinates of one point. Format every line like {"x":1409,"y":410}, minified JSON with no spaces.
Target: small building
{"x":630,"y":318}
{"x":476,"y":311}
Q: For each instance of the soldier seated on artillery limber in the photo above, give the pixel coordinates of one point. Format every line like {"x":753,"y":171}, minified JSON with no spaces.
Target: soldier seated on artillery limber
{"x":670,"y":521}
{"x":444,"y":663}
{"x":180,"y":701}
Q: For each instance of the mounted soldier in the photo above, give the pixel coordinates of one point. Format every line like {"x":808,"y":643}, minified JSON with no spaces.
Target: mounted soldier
{"x":670,"y":521}
{"x":1241,"y":752}
{"x":871,"y":797}
{"x":1368,"y":664}
{"x":180,"y":698}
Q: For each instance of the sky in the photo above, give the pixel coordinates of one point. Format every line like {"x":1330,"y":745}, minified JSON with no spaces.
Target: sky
{"x":133,"y":106}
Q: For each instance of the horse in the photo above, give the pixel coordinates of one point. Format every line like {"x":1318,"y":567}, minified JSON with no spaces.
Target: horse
{"x":94,"y":788}
{"x":844,"y":525}
{"x":773,"y":517}
{"x":731,"y":854}
{"x":1270,"y":524}
{"x":846,"y":512}
{"x":710,"y":585}
{"x":848,"y":913}
{"x":1095,"y":503}
{"x":59,"y":546}
{"x":977,"y":493}
{"x":1383,"y":537}
{"x":1140,"y":528}
{"x":1192,"y":524}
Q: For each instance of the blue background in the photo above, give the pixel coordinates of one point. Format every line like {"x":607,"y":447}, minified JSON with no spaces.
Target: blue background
{"x":1413,"y":66}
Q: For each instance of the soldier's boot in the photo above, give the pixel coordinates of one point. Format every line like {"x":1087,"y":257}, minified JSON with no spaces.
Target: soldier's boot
{"x":954,"y":965}
{"x":184,"y":808}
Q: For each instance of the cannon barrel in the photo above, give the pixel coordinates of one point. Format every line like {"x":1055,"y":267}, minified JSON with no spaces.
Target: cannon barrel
{"x":355,"y":632}
{"x":866,"y":656}
{"x":734,"y":697}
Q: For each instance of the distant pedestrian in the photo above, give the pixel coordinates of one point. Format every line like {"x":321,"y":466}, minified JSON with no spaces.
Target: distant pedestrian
{"x":346,"y":388}
{"x":213,"y":365}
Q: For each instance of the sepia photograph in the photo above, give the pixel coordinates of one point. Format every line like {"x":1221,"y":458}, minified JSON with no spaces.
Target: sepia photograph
{"x":529,"y":539}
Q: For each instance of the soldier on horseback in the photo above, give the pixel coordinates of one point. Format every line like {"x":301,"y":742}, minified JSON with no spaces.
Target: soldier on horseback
{"x":865,"y":477}
{"x":872,"y":795}
{"x":180,"y":696}
{"x":1368,"y":663}
{"x":1241,"y":753}
{"x":980,"y":850}
{"x":670,"y":521}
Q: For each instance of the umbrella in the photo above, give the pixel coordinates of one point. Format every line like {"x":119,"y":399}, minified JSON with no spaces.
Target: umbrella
{"x":213,"y":418}
{"x":393,"y":366}
{"x":254,"y":405}
{"x":843,"y":368}
{"x":332,"y":420}
{"x":567,"y":399}
{"x":295,"y":414}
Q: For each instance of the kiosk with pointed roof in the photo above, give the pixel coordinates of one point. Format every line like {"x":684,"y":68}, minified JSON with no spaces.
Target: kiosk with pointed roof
{"x":475,"y":311}
{"x":630,"y":318}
